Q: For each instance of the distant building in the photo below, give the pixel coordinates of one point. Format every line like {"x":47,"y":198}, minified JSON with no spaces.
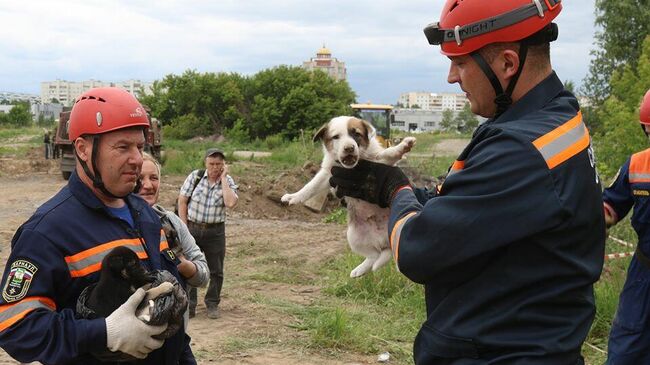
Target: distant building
{"x":420,"y":120}
{"x":66,"y":91}
{"x":416,"y":120}
{"x":325,"y":62}
{"x":13,"y":96}
{"x":433,"y":101}
{"x":4,"y":109}
{"x":46,"y":110}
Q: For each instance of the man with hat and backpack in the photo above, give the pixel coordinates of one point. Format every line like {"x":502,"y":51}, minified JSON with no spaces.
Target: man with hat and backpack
{"x":202,"y":204}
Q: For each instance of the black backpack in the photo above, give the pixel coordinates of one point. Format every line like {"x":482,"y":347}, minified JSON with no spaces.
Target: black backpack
{"x":197,"y":178}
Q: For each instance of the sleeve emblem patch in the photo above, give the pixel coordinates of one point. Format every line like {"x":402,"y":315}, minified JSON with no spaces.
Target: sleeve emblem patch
{"x":21,"y":275}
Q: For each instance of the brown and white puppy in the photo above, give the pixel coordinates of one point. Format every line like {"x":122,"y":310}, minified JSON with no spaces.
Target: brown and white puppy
{"x":346,"y":140}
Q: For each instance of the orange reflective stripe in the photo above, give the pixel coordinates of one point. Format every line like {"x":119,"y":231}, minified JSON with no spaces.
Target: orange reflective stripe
{"x":563,"y":142}
{"x":14,"y":312}
{"x":395,"y":235}
{"x":571,"y":151}
{"x":163,"y":240}
{"x":557,"y":132}
{"x":456,"y":167}
{"x":90,"y":260}
{"x":101,"y":248}
{"x":640,"y":167}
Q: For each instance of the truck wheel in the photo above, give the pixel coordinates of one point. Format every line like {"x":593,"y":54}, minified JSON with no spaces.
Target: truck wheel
{"x":66,"y":174}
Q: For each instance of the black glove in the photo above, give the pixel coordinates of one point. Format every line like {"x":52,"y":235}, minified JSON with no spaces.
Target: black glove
{"x":370,"y":181}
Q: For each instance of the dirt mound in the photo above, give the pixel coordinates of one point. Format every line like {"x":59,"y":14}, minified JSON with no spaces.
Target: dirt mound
{"x":259,"y":194}
{"x":34,"y":161}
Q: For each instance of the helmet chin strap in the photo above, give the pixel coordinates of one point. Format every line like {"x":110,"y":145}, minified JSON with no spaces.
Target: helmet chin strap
{"x":96,"y":178}
{"x":503,"y":99}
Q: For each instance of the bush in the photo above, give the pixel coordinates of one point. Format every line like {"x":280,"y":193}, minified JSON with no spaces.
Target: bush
{"x":238,"y":133}
{"x":188,"y":126}
{"x":274,"y":141}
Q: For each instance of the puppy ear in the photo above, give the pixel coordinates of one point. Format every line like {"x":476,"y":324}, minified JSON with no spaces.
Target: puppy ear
{"x":371,"y":132}
{"x":321,"y":133}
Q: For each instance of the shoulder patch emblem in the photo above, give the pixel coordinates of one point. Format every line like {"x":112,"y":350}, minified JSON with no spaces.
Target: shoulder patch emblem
{"x":21,"y":275}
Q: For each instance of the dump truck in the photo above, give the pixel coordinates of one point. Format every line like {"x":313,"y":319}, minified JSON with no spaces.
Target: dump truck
{"x":153,"y":141}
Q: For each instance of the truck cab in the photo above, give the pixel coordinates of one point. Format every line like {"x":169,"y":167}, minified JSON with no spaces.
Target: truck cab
{"x":380,"y":116}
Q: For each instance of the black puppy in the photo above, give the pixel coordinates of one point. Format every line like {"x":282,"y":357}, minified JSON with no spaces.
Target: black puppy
{"x":121,"y":275}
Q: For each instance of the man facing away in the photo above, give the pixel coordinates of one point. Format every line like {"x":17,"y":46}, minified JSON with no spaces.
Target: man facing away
{"x":509,"y":248}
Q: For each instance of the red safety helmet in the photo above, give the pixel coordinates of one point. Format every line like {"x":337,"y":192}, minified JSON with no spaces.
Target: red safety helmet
{"x":644,"y":110}
{"x":469,"y":25}
{"x":105,"y":109}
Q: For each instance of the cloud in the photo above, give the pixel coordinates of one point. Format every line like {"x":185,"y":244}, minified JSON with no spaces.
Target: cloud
{"x":380,"y":41}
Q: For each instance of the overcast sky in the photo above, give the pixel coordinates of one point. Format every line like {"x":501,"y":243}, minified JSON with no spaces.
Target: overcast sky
{"x":380,"y":41}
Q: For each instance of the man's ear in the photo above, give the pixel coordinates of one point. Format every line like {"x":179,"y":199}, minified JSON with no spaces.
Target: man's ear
{"x":83,"y":147}
{"x":508,"y":63}
{"x":321,"y":133}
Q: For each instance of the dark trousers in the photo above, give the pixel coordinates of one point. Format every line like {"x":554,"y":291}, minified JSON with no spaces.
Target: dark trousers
{"x":187,"y":357}
{"x":48,"y":151}
{"x":211,"y":239}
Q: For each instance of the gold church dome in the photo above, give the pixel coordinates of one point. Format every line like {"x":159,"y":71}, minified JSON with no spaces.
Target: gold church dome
{"x":323,"y":51}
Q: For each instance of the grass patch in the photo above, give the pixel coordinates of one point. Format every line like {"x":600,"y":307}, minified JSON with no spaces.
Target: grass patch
{"x":378,"y":312}
{"x":338,"y":216}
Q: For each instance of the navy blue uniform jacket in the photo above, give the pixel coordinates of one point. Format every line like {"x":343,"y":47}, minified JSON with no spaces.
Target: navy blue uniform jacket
{"x":55,"y":255}
{"x":509,"y":249}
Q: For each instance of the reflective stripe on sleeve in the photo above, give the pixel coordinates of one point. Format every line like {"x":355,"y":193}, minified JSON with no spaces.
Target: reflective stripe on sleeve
{"x":563,"y":142}
{"x":639,"y":168}
{"x":456,"y":167}
{"x":163,"y":241}
{"x":14,"y":312}
{"x":89,"y":261}
{"x":395,"y":236}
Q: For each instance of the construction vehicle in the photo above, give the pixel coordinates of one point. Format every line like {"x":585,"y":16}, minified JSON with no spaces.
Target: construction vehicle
{"x":380,"y":116}
{"x":153,"y":141}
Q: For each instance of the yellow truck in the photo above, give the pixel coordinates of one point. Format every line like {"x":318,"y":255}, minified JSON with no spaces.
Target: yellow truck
{"x":380,"y":116}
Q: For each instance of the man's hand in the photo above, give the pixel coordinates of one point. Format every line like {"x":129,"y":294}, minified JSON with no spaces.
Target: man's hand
{"x":370,"y":181}
{"x":126,"y":333}
{"x":224,"y":171}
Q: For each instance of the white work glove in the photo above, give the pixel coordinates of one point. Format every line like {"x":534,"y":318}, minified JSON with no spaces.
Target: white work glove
{"x":126,"y":333}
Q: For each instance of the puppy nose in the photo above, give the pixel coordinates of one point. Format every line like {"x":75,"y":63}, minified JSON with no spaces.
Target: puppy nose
{"x":349,"y":149}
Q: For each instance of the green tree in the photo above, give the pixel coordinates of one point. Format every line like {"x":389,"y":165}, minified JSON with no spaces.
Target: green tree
{"x":465,"y":120}
{"x":622,"y":26}
{"x":281,"y":100}
{"x":570,"y":86}
{"x":18,"y":116}
{"x":213,"y":98}
{"x":447,"y":122}
{"x":620,"y":114}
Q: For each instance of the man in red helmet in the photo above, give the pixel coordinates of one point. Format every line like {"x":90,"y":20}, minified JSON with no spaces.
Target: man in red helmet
{"x":59,"y":250}
{"x":509,"y":248}
{"x":629,"y":339}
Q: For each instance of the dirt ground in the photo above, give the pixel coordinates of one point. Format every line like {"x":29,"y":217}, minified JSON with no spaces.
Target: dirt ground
{"x":263,"y":239}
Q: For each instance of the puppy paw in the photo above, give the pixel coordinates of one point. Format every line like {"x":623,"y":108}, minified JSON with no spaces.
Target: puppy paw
{"x":360,"y":271}
{"x":407,"y":144}
{"x":291,"y":199}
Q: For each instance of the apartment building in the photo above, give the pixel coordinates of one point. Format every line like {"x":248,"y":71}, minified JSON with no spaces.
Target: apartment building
{"x":66,"y":91}
{"x":433,"y":101}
